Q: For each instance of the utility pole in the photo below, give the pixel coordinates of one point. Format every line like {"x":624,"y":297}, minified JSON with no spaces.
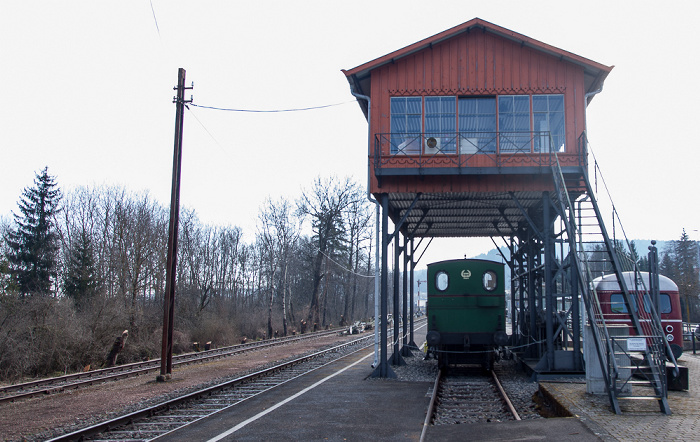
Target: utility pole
{"x":166,"y":355}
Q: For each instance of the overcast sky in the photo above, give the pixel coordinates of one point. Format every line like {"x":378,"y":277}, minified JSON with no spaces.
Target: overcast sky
{"x":87,"y":90}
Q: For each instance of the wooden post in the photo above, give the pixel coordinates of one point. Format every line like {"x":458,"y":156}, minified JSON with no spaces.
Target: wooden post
{"x":166,"y":358}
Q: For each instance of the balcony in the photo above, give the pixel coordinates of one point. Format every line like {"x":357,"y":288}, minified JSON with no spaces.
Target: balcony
{"x":473,"y":153}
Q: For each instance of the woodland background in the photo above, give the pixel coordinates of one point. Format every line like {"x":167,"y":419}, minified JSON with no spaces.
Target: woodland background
{"x":77,"y":269}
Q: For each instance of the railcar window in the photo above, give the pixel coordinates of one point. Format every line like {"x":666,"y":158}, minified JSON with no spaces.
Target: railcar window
{"x":617,"y":303}
{"x":664,"y":301}
{"x":442,"y":280}
{"x":490,"y":281}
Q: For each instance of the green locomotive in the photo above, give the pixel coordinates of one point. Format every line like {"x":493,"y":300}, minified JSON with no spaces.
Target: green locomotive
{"x":466,"y":311}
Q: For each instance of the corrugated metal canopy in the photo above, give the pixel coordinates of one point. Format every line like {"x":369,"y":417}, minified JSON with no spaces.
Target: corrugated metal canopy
{"x":448,"y":215}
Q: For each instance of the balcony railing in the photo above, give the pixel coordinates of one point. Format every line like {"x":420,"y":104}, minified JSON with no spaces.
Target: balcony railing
{"x":468,"y":153}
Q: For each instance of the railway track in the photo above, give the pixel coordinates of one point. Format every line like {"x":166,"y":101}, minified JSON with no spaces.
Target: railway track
{"x":59,"y":384}
{"x":465,"y":396}
{"x":169,"y":416}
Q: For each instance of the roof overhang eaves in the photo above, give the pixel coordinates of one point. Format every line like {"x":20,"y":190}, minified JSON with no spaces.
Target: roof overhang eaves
{"x":362,"y":73}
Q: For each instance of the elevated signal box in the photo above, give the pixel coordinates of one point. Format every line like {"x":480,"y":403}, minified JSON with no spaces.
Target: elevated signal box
{"x":476,"y":113}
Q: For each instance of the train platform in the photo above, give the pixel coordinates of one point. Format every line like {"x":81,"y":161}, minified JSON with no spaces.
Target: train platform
{"x":341,"y":402}
{"x":640,"y":420}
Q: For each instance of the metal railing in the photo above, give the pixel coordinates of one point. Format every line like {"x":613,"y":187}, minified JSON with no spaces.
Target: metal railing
{"x":467,"y":149}
{"x":595,"y":251}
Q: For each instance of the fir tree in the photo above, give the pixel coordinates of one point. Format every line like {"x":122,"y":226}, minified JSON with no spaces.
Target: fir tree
{"x":80,"y":281}
{"x":686,"y":254}
{"x":32,"y":246}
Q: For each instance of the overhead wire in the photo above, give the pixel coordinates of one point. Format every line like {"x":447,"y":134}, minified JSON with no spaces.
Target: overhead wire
{"x":207,"y":130}
{"x":271,"y":110}
{"x":154,"y":18}
{"x":251,"y":111}
{"x":343,"y":267}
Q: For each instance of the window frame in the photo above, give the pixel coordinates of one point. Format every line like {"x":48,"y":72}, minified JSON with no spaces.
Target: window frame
{"x":407,"y":141}
{"x":508,"y":136}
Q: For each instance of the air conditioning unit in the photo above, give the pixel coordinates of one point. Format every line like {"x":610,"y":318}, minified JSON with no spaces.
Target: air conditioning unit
{"x":468,"y":145}
{"x":433,"y":145}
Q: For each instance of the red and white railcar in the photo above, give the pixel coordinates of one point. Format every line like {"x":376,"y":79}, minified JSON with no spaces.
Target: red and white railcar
{"x":615,"y":311}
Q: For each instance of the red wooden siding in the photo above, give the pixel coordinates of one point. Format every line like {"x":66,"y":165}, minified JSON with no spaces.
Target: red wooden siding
{"x":476,"y":58}
{"x":479,"y":63}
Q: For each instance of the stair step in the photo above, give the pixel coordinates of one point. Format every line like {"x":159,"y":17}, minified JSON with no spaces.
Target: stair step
{"x":640,"y":383}
{"x":656,"y":398}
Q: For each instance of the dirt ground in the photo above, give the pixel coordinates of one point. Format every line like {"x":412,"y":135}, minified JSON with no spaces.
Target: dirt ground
{"x":43,"y":417}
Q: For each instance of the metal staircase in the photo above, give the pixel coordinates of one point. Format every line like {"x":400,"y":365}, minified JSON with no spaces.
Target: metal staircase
{"x":629,"y":361}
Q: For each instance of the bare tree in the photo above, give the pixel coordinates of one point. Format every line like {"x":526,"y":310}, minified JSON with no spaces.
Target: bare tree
{"x":278,"y":231}
{"x":325,"y":204}
{"x":359,"y":231}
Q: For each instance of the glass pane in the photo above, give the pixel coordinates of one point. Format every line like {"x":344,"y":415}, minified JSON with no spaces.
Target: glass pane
{"x":448,"y":105}
{"x":432,"y":123}
{"x":617,"y":305}
{"x":398,"y":105}
{"x":540,"y":122}
{"x":522,"y":122}
{"x":487,"y":123}
{"x":442,"y":281}
{"x":506,"y":122}
{"x":413,"y":124}
{"x":432,"y":105}
{"x":556,"y":103}
{"x":521,"y":103}
{"x":468,"y":124}
{"x":487,"y":144}
{"x":665,"y":301}
{"x":449,"y":145}
{"x":467,"y":106}
{"x":556,"y":122}
{"x":539,"y":103}
{"x":487,"y":105}
{"x":413,"y":105}
{"x":505,"y":104}
{"x":398,"y":124}
{"x":448,"y":124}
{"x":618,"y":302}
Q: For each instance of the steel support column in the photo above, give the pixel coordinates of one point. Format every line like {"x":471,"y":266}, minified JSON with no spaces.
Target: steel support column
{"x":549,"y":289}
{"x":532,"y":348}
{"x":412,"y":342}
{"x":405,"y":349}
{"x":383,"y":370}
{"x":396,"y":358}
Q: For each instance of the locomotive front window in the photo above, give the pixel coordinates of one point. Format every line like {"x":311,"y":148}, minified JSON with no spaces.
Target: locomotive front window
{"x":442,"y":280}
{"x":617,"y":303}
{"x":664,"y":301}
{"x":490,"y":281}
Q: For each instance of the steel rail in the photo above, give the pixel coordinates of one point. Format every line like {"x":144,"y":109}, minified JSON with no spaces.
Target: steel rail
{"x":77,"y":380}
{"x":431,"y":407}
{"x":206,"y":392}
{"x":446,"y":396}
{"x":505,"y":397}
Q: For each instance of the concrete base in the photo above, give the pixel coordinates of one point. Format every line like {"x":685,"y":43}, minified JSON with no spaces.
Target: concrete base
{"x":595,"y":381}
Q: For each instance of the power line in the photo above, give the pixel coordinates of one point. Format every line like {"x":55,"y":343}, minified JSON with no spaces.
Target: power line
{"x":207,"y":130}
{"x":155,"y":19}
{"x":271,"y":110}
{"x":343,"y":267}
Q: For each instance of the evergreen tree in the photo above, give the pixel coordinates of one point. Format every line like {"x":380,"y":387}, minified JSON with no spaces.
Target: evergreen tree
{"x":32,"y":246}
{"x":80,"y":281}
{"x":686,"y":253}
{"x":667,"y":266}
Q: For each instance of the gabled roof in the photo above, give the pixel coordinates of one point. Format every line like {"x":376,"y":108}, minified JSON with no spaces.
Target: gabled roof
{"x":360,"y":77}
